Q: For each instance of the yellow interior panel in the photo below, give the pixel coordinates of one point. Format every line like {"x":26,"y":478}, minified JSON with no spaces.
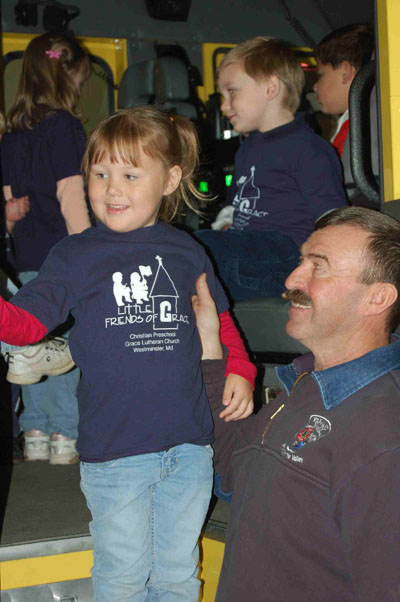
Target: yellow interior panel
{"x":388,"y":15}
{"x":28,"y":572}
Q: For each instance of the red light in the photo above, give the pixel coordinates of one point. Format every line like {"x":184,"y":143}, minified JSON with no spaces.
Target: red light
{"x":304,"y":65}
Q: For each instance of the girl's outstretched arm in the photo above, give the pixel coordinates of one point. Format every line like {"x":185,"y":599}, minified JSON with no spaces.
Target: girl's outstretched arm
{"x":19,"y":327}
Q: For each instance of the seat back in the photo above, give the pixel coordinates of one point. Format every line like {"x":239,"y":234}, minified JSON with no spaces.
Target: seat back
{"x":171,"y":86}
{"x":137,"y":85}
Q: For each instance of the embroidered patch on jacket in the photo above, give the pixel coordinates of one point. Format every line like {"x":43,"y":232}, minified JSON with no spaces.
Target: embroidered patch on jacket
{"x":316,"y":428}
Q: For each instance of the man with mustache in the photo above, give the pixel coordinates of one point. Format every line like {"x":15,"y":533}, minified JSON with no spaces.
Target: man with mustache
{"x":315,"y":474}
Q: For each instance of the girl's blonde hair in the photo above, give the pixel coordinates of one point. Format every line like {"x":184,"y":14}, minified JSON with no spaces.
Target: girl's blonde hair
{"x":169,"y":139}
{"x":49,"y":66}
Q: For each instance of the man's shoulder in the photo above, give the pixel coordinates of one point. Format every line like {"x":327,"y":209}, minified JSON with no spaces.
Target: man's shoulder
{"x":368,"y":428}
{"x":385,"y":387}
{"x":376,"y":414}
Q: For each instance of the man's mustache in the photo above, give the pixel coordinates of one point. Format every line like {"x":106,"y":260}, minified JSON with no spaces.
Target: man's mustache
{"x":297,"y":296}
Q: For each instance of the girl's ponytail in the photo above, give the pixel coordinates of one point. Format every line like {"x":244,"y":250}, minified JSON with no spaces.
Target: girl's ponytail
{"x":186,"y":140}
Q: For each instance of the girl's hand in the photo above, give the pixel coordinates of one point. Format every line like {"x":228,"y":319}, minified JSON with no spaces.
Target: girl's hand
{"x":16,"y":209}
{"x":238,"y":397}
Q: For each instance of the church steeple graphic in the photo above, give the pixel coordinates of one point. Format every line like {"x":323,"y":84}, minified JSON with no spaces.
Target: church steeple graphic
{"x":249,"y":190}
{"x":162,"y":285}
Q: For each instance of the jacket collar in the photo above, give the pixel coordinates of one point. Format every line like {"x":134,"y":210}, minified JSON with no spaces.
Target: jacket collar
{"x":339,"y":382}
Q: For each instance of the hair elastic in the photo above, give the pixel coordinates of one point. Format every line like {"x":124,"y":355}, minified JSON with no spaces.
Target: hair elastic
{"x":53,"y":54}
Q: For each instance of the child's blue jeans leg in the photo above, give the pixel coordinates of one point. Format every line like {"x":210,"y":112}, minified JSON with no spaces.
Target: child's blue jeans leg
{"x":181,"y":500}
{"x":52,"y":406}
{"x":147,"y":513}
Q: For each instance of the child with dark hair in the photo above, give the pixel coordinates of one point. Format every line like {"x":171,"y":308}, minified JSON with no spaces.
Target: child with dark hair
{"x":340,"y":55}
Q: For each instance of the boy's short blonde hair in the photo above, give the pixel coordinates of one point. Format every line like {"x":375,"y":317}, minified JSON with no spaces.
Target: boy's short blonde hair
{"x":262,"y":57}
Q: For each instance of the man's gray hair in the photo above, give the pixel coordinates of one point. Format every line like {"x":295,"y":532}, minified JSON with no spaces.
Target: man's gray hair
{"x":383,"y":248}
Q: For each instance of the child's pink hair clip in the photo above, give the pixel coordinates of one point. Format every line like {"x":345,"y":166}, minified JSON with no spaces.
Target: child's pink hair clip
{"x":54,"y":54}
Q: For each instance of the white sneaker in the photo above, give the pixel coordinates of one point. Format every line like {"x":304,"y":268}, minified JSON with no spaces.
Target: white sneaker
{"x":47,"y":358}
{"x":63,"y":450}
{"x":36,"y":445}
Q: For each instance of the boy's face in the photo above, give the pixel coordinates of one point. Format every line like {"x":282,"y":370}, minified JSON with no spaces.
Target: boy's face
{"x":245,"y":101}
{"x":125,"y":197}
{"x":333,"y":86}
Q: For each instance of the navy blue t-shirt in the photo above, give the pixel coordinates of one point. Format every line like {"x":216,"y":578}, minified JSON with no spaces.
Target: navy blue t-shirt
{"x":284,"y":180}
{"x":32,"y":162}
{"x":134,"y":337}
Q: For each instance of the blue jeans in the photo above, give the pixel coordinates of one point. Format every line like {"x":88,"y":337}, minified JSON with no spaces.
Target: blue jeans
{"x":251,"y":264}
{"x":147,"y":514}
{"x":51,"y":405}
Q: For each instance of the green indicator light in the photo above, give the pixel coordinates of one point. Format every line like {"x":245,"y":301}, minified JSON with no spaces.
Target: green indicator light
{"x":228,"y":179}
{"x":203,"y":187}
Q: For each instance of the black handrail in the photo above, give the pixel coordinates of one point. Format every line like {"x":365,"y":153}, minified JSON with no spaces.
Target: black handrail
{"x":360,"y":132}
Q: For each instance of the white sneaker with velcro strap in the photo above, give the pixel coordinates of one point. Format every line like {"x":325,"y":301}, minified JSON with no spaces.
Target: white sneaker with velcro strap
{"x":36,"y":446}
{"x":63,"y":450}
{"x":50,"y":357}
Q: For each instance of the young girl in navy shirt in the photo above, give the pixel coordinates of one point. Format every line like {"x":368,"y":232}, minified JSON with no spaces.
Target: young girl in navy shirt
{"x":145,"y":426}
{"x":41,"y":157}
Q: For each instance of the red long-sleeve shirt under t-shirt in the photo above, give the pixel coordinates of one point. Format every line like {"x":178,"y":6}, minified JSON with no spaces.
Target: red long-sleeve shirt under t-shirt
{"x":19,"y":327}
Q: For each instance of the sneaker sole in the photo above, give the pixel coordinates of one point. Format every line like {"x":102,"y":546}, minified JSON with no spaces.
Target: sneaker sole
{"x":36,"y":458}
{"x":20,"y":380}
{"x":64,"y":459}
{"x":32,"y":380}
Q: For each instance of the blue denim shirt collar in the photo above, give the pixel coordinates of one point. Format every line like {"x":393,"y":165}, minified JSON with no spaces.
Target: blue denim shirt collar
{"x":339,"y":382}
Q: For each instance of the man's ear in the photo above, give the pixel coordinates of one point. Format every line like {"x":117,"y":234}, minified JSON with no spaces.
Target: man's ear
{"x":382,"y":296}
{"x":348,"y":72}
{"x":173,"y":179}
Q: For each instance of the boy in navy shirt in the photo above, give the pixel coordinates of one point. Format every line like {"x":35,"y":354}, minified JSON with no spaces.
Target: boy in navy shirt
{"x":285,"y":177}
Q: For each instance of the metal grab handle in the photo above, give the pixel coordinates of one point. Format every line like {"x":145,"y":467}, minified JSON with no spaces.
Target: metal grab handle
{"x":360,"y":132}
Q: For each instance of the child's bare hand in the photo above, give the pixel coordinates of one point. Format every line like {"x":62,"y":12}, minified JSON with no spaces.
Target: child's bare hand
{"x":237,"y":397}
{"x":16,"y":209}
